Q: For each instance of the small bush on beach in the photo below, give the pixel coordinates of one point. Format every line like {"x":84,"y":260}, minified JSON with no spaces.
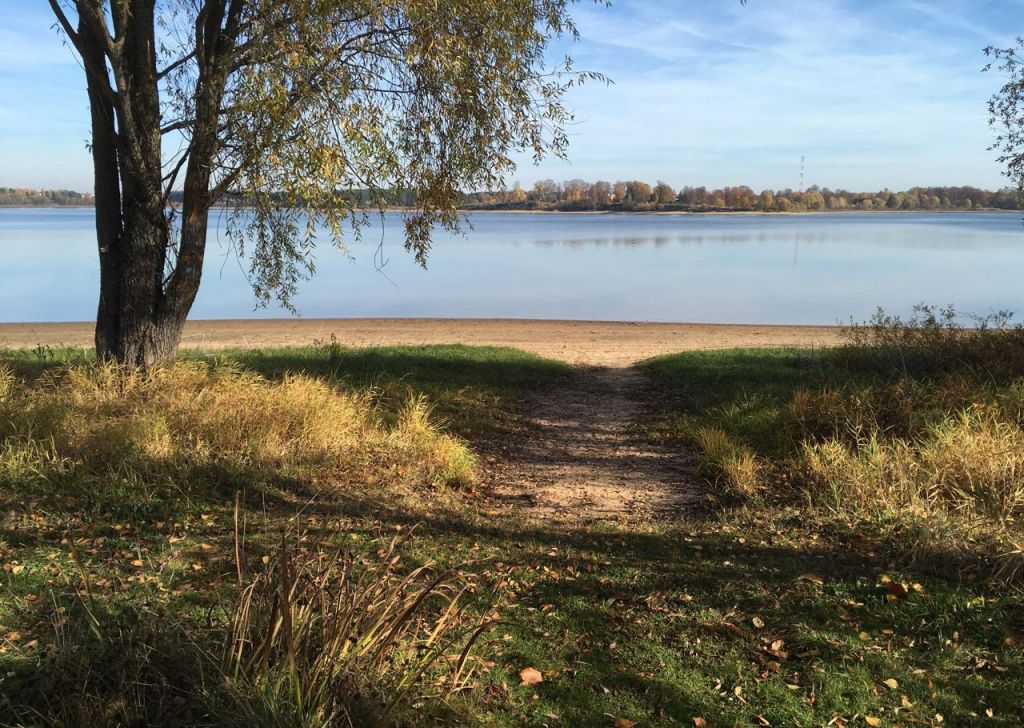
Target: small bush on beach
{"x":934,"y":340}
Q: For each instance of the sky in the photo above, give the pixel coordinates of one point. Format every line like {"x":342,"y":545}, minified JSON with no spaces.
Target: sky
{"x":872,"y":93}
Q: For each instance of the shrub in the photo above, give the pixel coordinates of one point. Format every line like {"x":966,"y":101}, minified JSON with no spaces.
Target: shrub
{"x":935,"y":340}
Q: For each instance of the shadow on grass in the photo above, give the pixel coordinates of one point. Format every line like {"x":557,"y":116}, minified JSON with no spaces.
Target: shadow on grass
{"x":657,"y":627}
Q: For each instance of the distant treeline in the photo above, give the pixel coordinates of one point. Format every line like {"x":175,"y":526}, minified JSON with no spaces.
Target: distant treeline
{"x":11,"y":197}
{"x":635,"y":196}
{"x":580,"y":195}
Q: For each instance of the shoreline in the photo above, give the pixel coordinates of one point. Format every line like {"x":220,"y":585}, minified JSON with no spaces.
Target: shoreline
{"x":705,"y":213}
{"x":588,"y":343}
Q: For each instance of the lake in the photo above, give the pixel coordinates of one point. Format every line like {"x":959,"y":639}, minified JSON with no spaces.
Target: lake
{"x":776,"y":269}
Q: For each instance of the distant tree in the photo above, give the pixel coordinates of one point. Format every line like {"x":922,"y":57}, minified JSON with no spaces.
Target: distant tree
{"x":296,"y":108}
{"x":600,"y":192}
{"x":546,"y":190}
{"x":1006,"y":112}
{"x":638,"y":192}
{"x":576,"y":190}
{"x":766,"y":201}
{"x":663,"y":193}
{"x":619,"y":191}
{"x":518,"y":194}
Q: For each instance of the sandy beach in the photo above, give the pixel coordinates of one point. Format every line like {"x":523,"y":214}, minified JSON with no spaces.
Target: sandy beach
{"x":598,"y":343}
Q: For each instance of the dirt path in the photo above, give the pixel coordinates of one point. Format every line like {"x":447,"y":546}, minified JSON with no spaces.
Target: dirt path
{"x":584,"y":462}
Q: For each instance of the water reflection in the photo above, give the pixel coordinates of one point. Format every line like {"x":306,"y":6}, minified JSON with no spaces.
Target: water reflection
{"x":771,"y":269}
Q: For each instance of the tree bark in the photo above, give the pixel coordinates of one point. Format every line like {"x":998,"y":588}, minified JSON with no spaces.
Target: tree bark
{"x":142,"y":309}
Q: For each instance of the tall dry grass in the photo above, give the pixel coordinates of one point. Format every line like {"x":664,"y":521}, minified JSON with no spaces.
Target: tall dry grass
{"x":98,"y":418}
{"x":917,"y":420}
{"x":320,"y":639}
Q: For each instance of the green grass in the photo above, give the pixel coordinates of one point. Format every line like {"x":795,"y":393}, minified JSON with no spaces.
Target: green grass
{"x":656,"y":625}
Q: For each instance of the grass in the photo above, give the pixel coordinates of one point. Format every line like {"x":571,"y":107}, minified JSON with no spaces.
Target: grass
{"x":919,"y":418}
{"x":772,"y":609}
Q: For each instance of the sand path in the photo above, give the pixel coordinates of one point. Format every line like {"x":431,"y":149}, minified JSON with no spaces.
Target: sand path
{"x":584,"y":461}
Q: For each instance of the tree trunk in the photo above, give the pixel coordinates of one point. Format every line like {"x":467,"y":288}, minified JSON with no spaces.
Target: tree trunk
{"x":136,"y":324}
{"x":147,"y":283}
{"x":142,"y":309}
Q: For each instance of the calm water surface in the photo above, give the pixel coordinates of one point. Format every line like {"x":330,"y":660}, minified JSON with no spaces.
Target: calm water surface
{"x":814,"y":269}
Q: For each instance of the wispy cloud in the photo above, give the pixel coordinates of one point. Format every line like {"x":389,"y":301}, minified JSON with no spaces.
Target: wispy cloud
{"x":874,"y":93}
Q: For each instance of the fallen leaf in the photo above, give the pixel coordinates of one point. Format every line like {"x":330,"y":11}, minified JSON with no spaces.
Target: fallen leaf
{"x":530,"y":676}
{"x":812,"y":578}
{"x":699,"y":722}
{"x":624,"y":723}
{"x":872,"y":720}
{"x":757,"y":622}
{"x":891,"y":684}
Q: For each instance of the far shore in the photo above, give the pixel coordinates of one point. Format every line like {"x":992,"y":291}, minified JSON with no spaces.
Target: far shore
{"x":692,"y":213}
{"x":591,"y":343}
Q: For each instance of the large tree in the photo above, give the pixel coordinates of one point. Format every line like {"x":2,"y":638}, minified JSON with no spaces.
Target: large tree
{"x":280,"y":108}
{"x":1006,"y":112}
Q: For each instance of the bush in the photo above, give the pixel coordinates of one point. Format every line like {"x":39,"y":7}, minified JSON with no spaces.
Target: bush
{"x":935,"y":340}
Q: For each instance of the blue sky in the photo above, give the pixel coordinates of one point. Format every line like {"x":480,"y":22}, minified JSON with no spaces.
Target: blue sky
{"x":874,"y":93}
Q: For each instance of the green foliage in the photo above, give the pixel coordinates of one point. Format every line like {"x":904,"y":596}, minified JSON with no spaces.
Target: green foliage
{"x":334,"y":102}
{"x":1006,"y":112}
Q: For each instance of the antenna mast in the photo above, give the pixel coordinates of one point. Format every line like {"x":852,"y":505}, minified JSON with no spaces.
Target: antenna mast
{"x":801,"y":174}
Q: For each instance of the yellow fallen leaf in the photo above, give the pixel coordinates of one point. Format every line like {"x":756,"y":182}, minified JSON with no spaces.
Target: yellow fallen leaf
{"x":757,"y":622}
{"x":138,"y":563}
{"x":891,"y":684}
{"x":624,"y":723}
{"x":530,"y":676}
{"x":872,"y":720}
